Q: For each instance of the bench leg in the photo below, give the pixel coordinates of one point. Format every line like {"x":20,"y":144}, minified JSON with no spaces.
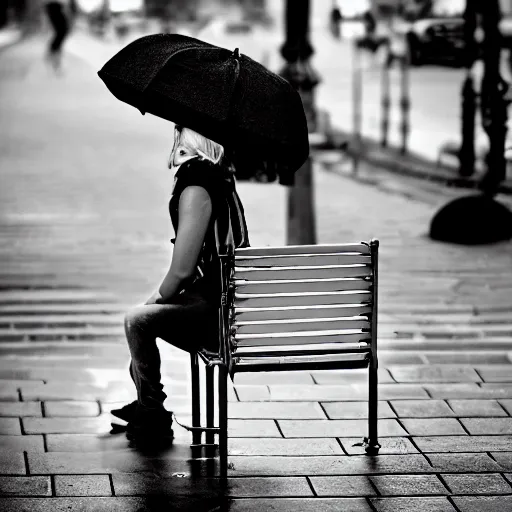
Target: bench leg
{"x":196,"y":397}
{"x":372,"y":443}
{"x":223,"y":421}
{"x":210,"y":411}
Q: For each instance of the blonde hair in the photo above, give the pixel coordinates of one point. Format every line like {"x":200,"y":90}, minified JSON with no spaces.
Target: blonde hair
{"x":197,"y":144}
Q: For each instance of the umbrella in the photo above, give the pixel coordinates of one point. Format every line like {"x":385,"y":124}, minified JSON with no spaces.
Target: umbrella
{"x":222,"y":94}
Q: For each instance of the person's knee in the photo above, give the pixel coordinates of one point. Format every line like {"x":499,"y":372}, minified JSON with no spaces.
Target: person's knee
{"x":134,"y":319}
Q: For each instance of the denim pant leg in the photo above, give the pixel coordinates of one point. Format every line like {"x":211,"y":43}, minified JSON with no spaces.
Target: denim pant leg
{"x":186,"y":325}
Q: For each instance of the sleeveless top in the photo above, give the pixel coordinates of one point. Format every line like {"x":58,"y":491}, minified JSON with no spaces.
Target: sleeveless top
{"x":226,"y":230}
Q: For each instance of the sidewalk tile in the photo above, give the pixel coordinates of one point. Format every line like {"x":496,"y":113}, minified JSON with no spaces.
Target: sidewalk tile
{"x":273,"y":447}
{"x":408,"y":485}
{"x":23,"y":384}
{"x":390,"y":358}
{"x":408,"y":504}
{"x":349,"y":377}
{"x":355,"y":410}
{"x":421,"y":408}
{"x":9,"y":444}
{"x":86,"y":392}
{"x":389,"y":445}
{"x":315,"y":393}
{"x":82,"y":485}
{"x":337,"y":428}
{"x":327,"y":465}
{"x":265,"y":378}
{"x":470,"y":390}
{"x":78,"y":504}
{"x":508,"y":476}
{"x":66,"y":425}
{"x":253,"y":393}
{"x":25,"y":486}
{"x":9,"y":393}
{"x":13,"y":465}
{"x":10,"y":426}
{"x":497,"y":390}
{"x":477,"y":484}
{"x":342,"y":486}
{"x":504,"y":459}
{"x":302,"y":505}
{"x":275,"y":410}
{"x":433,"y":426}
{"x":483,"y":503}
{"x":462,"y":462}
{"x":85,"y":442}
{"x":507,"y":404}
{"x":71,"y":408}
{"x":478,"y":426}
{"x":253,"y":428}
{"x":495,"y":373}
{"x":465,"y":443}
{"x":476,"y":408}
{"x":263,"y":487}
{"x":16,"y":409}
{"x":460,"y":357}
{"x":432,"y":373}
{"x":401,"y":391}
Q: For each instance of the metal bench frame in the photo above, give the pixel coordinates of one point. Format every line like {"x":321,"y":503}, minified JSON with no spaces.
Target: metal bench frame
{"x":226,"y":361}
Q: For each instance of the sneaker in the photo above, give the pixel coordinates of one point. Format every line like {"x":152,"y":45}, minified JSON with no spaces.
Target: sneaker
{"x":150,"y":425}
{"x":127,"y":412}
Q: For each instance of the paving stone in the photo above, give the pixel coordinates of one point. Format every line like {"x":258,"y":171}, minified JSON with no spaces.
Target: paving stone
{"x":275,"y":410}
{"x":327,"y":465}
{"x":23,"y":384}
{"x":483,"y":503}
{"x":470,"y":390}
{"x":477,"y":484}
{"x":408,"y":485}
{"x":66,"y":425}
{"x":71,"y":408}
{"x":13,"y":465}
{"x":17,"y":444}
{"x":255,"y":487}
{"x":77,"y":391}
{"x":390,"y":358}
{"x":85,"y":443}
{"x":316,"y":393}
{"x":253,"y":428}
{"x":476,"y":408}
{"x":495,"y":373}
{"x":82,"y":485}
{"x":433,"y":373}
{"x":508,"y":476}
{"x":337,"y":428}
{"x":355,"y":410}
{"x":408,"y":504}
{"x":8,"y":393}
{"x":462,"y":443}
{"x":253,"y":393}
{"x":503,"y":390}
{"x":25,"y":486}
{"x":398,"y":391}
{"x":16,"y":409}
{"x":264,"y":378}
{"x":389,"y":445}
{"x":471,"y":358}
{"x":432,"y":426}
{"x":478,"y":426}
{"x":304,"y":505}
{"x":462,"y":462}
{"x":284,"y":447}
{"x":507,"y":404}
{"x":81,"y":505}
{"x":504,"y":458}
{"x":342,"y":486}
{"x":349,"y":377}
{"x":421,"y":408}
{"x":10,"y":426}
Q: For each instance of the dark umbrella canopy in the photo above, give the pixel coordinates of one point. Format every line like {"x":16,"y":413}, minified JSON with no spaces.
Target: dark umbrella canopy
{"x":226,"y":97}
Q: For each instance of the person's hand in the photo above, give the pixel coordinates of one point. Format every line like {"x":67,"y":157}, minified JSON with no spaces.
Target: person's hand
{"x":156,"y":298}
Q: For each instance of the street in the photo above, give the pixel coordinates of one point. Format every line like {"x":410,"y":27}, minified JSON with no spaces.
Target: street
{"x":85,"y":234}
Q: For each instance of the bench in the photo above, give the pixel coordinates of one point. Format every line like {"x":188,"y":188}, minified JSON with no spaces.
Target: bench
{"x":290,"y":308}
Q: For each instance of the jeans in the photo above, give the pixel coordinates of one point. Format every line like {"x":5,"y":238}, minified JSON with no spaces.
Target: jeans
{"x":190,"y":323}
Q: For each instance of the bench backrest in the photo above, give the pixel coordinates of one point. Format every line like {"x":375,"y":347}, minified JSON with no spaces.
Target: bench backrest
{"x":298,"y":301}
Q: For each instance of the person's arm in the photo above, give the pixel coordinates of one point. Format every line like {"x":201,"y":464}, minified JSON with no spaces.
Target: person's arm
{"x":195,"y":210}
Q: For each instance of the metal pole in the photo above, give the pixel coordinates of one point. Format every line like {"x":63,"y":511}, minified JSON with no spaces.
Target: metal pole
{"x":385,"y":104}
{"x":405,"y":102}
{"x":357,"y":103}
{"x":297,"y":51}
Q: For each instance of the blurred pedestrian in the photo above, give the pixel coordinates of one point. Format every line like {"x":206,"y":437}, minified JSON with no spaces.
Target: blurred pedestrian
{"x":58,"y":15}
{"x":184,"y":310}
{"x":336,"y":19}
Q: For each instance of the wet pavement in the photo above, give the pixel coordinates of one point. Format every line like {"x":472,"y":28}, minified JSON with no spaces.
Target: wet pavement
{"x":85,"y":234}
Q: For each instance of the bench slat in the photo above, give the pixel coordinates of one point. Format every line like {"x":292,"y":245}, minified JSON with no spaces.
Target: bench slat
{"x":302,"y":325}
{"x":325,"y":311}
{"x":311,"y":260}
{"x":300,"y":299}
{"x":301,"y":273}
{"x":305,"y":285}
{"x":281,"y":363}
{"x":303,"y":338}
{"x":304,"y":249}
{"x":324,"y":348}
